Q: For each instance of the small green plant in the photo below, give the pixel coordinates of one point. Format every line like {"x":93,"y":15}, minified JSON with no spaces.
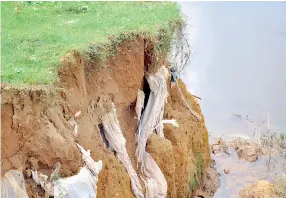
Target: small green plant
{"x":193,"y":182}
{"x":199,"y":165}
{"x":77,"y":10}
{"x":282,"y":137}
{"x":197,"y":175}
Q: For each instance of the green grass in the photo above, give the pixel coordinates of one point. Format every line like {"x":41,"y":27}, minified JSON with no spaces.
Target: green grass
{"x":196,"y":176}
{"x":36,"y":34}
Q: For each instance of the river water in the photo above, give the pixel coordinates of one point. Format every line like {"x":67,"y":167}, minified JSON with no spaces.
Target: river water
{"x":238,"y":66}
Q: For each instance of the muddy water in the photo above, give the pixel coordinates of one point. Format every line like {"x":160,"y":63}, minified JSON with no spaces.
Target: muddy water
{"x":241,"y":173}
{"x":238,"y":66}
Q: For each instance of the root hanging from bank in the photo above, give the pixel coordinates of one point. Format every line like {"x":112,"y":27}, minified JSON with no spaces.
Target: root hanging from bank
{"x":180,"y":54}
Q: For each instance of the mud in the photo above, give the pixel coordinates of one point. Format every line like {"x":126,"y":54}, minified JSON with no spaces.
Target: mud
{"x":36,"y":133}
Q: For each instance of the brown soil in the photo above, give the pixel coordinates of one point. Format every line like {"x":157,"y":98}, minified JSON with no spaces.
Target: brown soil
{"x":36,"y":133}
{"x":189,"y":141}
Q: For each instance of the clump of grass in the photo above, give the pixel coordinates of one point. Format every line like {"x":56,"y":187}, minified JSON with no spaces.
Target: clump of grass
{"x":193,"y":183}
{"x":36,"y":34}
{"x":196,"y":176}
{"x":199,"y":165}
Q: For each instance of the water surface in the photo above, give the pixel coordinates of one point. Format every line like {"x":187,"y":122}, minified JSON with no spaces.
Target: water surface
{"x":239,"y":61}
{"x":238,"y":66}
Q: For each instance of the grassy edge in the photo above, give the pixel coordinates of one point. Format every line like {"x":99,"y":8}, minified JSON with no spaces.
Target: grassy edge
{"x":38,"y":57}
{"x":100,"y":52}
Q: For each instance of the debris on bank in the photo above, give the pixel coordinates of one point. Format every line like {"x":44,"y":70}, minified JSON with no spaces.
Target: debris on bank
{"x":83,"y":185}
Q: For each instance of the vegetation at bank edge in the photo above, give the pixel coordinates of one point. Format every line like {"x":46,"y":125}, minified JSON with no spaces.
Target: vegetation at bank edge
{"x":51,"y":29}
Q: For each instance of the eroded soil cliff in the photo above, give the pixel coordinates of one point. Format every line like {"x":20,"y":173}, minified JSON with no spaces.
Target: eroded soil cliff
{"x":36,"y":133}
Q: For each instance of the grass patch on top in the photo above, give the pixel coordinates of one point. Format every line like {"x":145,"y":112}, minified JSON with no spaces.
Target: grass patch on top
{"x":36,"y":34}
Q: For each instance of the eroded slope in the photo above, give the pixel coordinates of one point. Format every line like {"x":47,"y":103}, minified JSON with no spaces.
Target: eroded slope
{"x":36,"y":133}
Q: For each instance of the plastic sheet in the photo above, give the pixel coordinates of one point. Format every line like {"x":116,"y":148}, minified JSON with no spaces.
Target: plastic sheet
{"x":154,"y":180}
{"x":84,"y":184}
{"x":13,"y":185}
{"x":139,"y":103}
{"x":153,"y":113}
{"x":93,"y":166}
{"x":74,"y":126}
{"x":42,"y":180}
{"x":80,"y":185}
{"x":117,"y":142}
{"x":172,"y":122}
